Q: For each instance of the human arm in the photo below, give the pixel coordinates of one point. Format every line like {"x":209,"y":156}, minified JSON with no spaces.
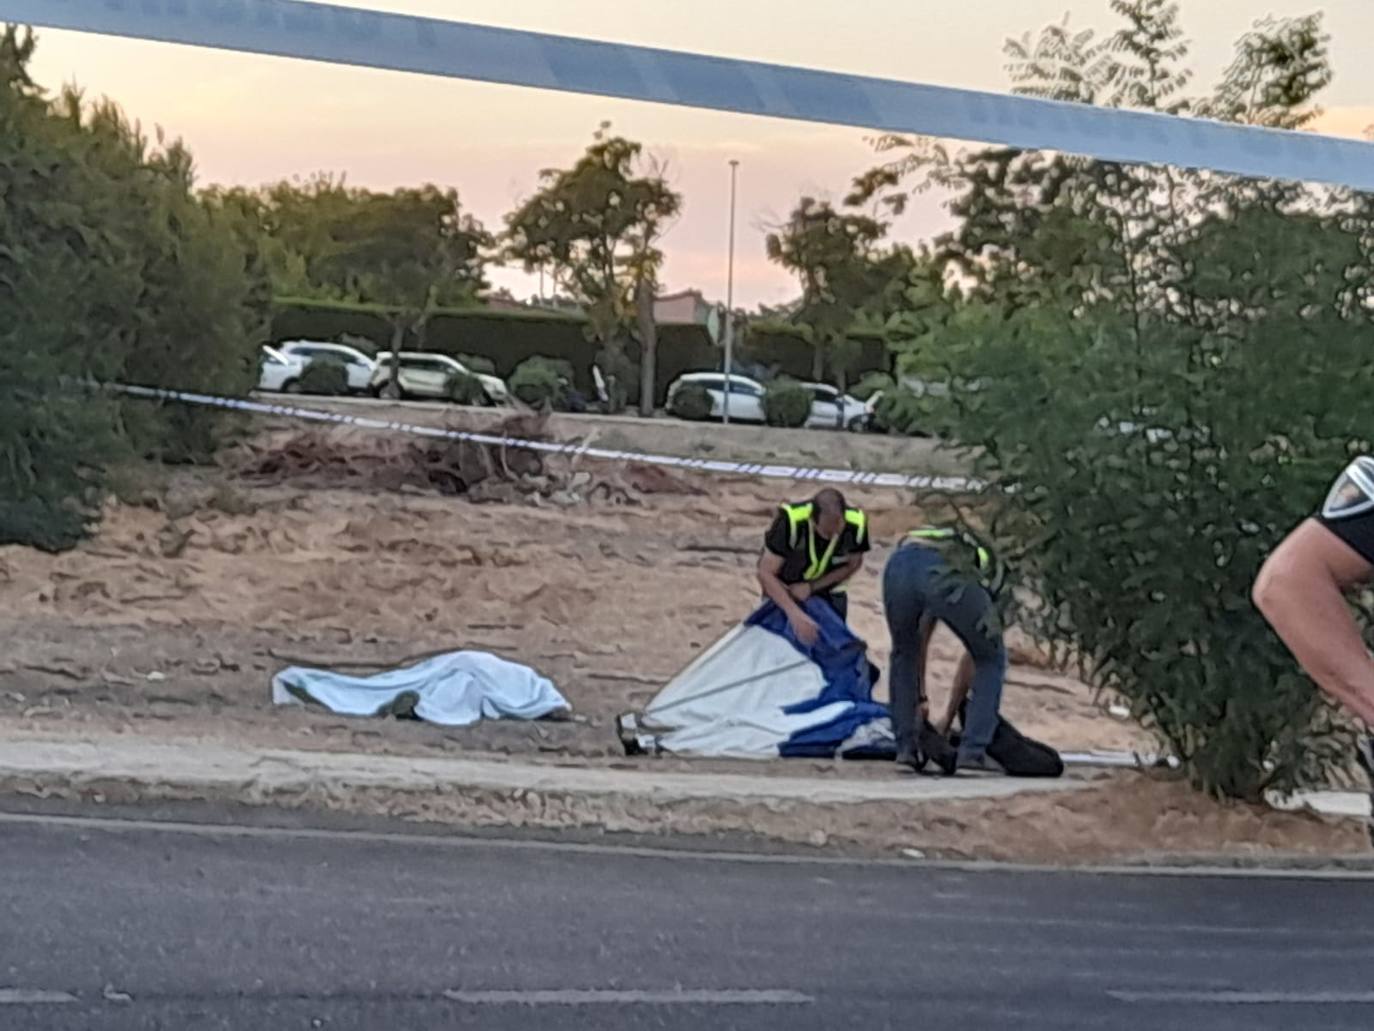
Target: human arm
{"x":769,"y":574}
{"x":848,"y":566}
{"x":958,"y":693}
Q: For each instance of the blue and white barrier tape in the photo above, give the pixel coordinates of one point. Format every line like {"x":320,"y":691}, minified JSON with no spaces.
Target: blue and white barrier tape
{"x":403,"y":42}
{"x":948,"y":484}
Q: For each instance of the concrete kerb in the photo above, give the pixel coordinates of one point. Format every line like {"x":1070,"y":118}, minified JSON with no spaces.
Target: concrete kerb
{"x":220,"y":767}
{"x":111,"y":768}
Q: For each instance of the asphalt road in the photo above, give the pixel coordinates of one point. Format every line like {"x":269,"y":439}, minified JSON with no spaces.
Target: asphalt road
{"x":110,"y":925}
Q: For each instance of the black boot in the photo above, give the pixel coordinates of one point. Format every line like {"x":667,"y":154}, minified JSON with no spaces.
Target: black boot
{"x":934,"y":745}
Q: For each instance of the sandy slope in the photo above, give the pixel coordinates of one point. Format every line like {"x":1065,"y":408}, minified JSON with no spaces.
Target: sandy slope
{"x":173,"y":619}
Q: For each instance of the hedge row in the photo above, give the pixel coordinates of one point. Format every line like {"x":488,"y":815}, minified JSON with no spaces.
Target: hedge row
{"x":506,"y":338}
{"x":778,"y":347}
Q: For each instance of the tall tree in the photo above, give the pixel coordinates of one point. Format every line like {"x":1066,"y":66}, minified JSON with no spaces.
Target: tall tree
{"x":843,"y":272}
{"x":1168,"y":364}
{"x":597,"y":226}
{"x":110,"y":269}
{"x":411,"y":251}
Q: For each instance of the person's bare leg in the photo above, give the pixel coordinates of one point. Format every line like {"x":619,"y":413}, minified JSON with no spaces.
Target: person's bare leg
{"x":1300,"y":591}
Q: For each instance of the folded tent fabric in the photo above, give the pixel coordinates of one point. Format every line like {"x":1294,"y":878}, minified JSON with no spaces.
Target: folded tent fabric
{"x":454,"y":689}
{"x":758,"y":692}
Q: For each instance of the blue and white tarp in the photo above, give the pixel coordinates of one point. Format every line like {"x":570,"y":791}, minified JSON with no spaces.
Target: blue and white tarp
{"x":454,"y":689}
{"x":759,"y":693}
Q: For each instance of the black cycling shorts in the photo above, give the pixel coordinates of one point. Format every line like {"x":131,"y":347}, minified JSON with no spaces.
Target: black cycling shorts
{"x":1348,"y":511}
{"x":1355,"y":530}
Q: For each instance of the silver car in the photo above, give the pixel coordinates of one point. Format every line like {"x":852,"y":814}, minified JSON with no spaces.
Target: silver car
{"x":427,"y":374}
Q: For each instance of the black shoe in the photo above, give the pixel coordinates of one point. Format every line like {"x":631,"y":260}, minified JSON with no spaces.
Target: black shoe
{"x":982,"y":763}
{"x":934,"y":745}
{"x":627,"y":729}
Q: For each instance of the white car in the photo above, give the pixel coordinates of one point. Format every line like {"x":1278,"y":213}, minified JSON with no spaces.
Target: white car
{"x":427,"y":374}
{"x":832,"y":410}
{"x":746,"y":395}
{"x":358,"y":365}
{"x":279,"y":372}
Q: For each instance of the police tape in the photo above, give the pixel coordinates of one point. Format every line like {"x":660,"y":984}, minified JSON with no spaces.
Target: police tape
{"x":431,"y":46}
{"x":852,"y":477}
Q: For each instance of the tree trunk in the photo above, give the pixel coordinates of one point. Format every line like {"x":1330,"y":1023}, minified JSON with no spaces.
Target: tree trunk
{"x":648,"y":345}
{"x":393,"y":382}
{"x":818,"y":360}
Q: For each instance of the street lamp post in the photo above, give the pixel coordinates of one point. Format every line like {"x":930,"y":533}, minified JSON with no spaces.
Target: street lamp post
{"x":730,"y":298}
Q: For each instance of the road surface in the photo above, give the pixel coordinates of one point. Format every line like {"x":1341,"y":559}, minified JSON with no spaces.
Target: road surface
{"x":113,"y":925}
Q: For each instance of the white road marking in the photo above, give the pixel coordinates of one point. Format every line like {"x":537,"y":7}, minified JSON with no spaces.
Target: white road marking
{"x":1240,"y":998}
{"x":631,"y":997}
{"x":33,"y":997}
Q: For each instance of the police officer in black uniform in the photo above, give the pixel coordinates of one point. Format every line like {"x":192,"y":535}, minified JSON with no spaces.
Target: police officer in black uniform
{"x":811,"y":550}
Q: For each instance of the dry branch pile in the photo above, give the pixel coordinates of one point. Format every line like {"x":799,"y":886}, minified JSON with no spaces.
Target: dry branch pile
{"x":478,"y":472}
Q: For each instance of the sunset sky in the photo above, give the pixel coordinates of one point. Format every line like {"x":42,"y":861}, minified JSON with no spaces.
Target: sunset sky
{"x":252,"y":119}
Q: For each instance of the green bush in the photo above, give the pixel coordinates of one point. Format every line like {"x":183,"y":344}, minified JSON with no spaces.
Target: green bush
{"x":466,"y":390}
{"x":692,"y":401}
{"x":870,"y":384}
{"x":786,"y":403}
{"x":111,"y":269}
{"x":326,"y":377}
{"x":907,"y":413}
{"x":1159,"y":399}
{"x":540,"y":382}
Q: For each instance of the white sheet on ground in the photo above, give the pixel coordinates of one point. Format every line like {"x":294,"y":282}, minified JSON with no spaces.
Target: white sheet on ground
{"x":454,"y":689}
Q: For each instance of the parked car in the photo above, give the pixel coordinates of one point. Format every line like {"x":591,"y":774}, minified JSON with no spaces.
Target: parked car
{"x":832,"y":410}
{"x":279,"y":372}
{"x":427,"y":374}
{"x":359,"y":366}
{"x":746,"y":395}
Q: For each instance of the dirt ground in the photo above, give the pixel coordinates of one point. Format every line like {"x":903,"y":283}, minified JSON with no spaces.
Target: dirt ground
{"x":173,"y":619}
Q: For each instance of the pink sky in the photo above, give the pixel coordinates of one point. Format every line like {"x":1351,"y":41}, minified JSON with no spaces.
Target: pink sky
{"x":252,"y":119}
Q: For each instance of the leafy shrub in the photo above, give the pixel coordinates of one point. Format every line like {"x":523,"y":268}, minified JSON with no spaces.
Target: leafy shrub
{"x":1158,"y":398}
{"x":465,"y":389}
{"x":541,"y":382}
{"x":111,"y":269}
{"x":786,"y":403}
{"x":902,"y":411}
{"x":327,"y":377}
{"x":561,"y":366}
{"x":870,"y":384}
{"x":692,"y":401}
